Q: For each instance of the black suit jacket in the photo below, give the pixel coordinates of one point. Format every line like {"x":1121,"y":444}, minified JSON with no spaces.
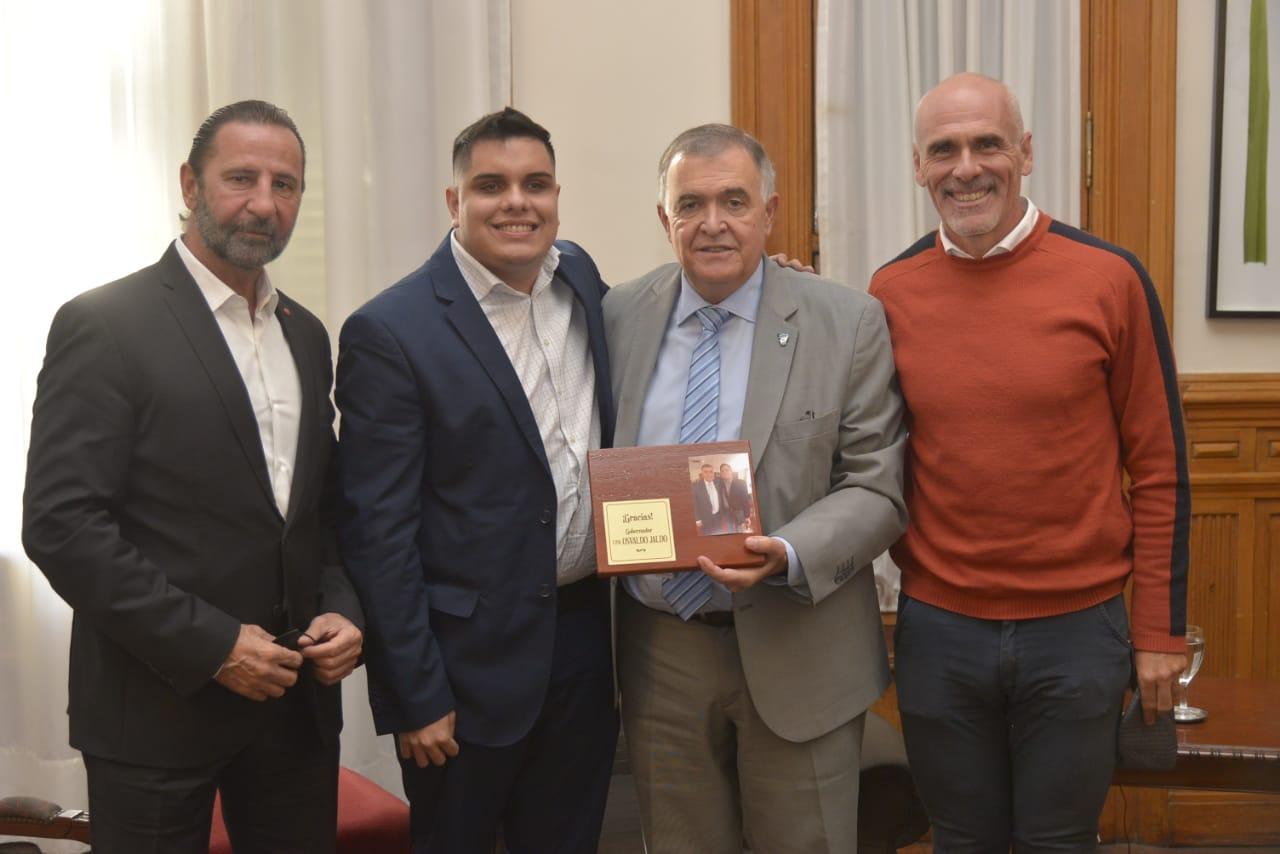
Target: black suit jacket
{"x":149,"y":508}
{"x":449,"y":510}
{"x":737,"y":499}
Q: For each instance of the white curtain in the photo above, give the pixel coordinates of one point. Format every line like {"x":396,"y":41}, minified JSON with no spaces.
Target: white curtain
{"x":100,"y":102}
{"x":874,"y":62}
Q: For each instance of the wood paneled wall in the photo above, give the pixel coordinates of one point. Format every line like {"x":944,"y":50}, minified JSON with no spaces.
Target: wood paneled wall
{"x":1233,"y":437}
{"x":1233,"y":430}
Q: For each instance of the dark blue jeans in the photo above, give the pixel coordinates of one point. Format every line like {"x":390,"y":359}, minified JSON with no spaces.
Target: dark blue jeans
{"x":1011,"y":725}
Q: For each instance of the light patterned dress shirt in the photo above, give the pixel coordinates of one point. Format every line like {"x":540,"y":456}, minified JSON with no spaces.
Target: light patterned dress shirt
{"x":544,"y":334}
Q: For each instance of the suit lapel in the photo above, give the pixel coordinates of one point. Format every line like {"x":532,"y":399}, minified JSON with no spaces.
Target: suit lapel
{"x":599,"y":358}
{"x":201,"y":330}
{"x":771,"y":356}
{"x":304,"y":361}
{"x":640,"y":358}
{"x":466,"y":316}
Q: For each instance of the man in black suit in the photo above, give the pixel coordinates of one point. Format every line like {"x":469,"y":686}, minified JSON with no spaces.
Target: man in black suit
{"x":736,"y":495}
{"x":178,"y":497}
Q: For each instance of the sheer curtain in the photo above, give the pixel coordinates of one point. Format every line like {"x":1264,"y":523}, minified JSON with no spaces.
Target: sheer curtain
{"x":101,"y":101}
{"x":874,"y":61}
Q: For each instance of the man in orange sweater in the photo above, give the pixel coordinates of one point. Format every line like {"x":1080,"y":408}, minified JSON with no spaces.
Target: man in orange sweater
{"x":1037,"y":371}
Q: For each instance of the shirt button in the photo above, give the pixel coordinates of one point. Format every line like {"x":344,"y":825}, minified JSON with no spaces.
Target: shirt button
{"x":544,"y":591}
{"x":546,"y":517}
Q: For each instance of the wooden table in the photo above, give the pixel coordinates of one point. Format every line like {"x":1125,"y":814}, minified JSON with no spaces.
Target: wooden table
{"x":1237,"y":748}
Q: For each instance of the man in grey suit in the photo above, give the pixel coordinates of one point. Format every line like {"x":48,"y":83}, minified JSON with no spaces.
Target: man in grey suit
{"x":710,"y":504}
{"x":743,"y":701}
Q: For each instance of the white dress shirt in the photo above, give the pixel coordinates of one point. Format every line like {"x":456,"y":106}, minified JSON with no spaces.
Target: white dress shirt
{"x":544,"y":334}
{"x":713,"y":494}
{"x":1008,"y":244}
{"x":266,"y":365}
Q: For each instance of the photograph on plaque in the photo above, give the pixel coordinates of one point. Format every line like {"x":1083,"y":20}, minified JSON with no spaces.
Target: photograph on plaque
{"x":722,"y":493}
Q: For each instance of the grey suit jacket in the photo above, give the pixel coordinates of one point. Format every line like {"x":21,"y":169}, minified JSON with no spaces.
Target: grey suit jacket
{"x":825,"y":421}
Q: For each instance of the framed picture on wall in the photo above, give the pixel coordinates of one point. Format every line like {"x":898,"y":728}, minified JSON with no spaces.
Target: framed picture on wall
{"x":1244,"y":228}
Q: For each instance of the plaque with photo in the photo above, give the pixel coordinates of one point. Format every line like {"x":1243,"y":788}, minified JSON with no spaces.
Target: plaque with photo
{"x":658,"y":508}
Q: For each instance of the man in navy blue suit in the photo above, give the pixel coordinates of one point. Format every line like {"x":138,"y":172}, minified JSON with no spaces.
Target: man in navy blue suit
{"x":470,"y":394}
{"x":736,"y":496}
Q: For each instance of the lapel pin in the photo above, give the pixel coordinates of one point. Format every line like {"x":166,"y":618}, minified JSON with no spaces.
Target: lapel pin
{"x":783,"y":338}
{"x":284,"y":309}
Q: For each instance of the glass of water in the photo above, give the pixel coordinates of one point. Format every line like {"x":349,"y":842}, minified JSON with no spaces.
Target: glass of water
{"x":1184,"y":713}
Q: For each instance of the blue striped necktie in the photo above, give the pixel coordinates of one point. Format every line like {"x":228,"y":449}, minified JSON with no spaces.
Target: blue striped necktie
{"x":686,"y":592}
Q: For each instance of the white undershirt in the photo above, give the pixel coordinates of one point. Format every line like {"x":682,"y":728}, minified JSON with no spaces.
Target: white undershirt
{"x":266,"y":366}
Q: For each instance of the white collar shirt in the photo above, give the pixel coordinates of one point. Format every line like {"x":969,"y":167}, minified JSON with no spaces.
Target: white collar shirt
{"x":713,"y":495}
{"x":1019,"y":233}
{"x":262,"y":356}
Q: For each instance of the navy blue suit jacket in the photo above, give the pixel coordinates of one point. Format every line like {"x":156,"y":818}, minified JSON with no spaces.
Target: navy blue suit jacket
{"x":448,"y":523}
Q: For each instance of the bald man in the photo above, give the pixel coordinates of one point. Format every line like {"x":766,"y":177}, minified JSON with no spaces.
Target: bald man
{"x":1037,"y":372}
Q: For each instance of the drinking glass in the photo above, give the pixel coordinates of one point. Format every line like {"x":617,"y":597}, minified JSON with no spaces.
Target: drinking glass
{"x":1184,"y":713}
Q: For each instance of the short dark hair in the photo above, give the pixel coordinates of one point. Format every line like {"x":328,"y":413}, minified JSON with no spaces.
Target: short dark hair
{"x":508,"y":123}
{"x":249,"y":112}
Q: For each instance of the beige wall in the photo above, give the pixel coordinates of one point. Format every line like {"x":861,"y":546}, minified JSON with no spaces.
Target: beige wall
{"x":1204,"y":345}
{"x":614,"y":83}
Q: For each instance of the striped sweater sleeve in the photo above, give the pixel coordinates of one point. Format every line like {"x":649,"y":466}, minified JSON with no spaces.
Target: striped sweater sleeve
{"x":1143,"y":387}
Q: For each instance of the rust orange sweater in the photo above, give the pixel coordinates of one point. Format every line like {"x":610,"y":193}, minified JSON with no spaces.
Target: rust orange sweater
{"x":1033,"y":380}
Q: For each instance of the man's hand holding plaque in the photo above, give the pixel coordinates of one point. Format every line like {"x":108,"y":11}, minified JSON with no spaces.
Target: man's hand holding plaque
{"x":736,"y":580}
{"x":681,"y":507}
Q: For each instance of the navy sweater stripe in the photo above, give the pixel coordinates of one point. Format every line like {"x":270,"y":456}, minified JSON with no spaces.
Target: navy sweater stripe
{"x":1180,"y":557}
{"x":921,"y":245}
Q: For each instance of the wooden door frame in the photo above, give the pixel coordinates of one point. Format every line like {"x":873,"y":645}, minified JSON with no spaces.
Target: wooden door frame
{"x":771,"y":68}
{"x":1128,"y":68}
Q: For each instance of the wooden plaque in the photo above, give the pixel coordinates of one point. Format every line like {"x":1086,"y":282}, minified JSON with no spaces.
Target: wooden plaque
{"x":654,"y":512}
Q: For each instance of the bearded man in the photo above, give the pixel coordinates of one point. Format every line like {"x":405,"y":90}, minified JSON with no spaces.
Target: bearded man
{"x":177,"y":498}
